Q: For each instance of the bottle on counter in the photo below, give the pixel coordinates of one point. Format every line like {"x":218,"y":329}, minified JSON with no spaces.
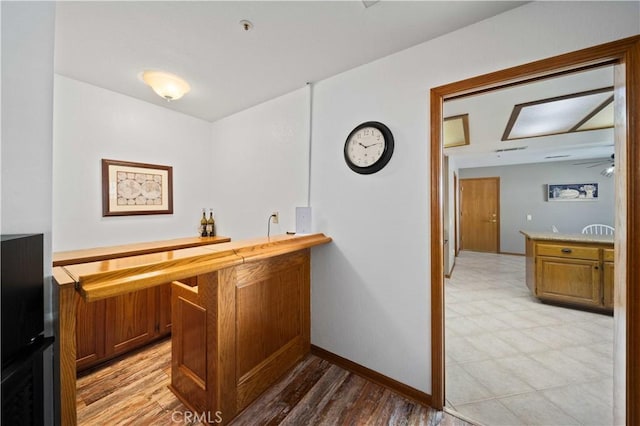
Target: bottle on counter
{"x":211,"y":224}
{"x":203,"y":224}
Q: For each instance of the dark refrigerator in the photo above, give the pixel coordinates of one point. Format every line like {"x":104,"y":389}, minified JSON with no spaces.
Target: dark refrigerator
{"x":23,"y":339}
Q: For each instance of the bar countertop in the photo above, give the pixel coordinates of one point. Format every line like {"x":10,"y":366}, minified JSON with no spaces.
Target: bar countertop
{"x":107,"y":278}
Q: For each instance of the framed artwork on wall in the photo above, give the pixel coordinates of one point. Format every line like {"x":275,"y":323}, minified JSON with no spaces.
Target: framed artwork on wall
{"x":136,"y":188}
{"x":572,"y":192}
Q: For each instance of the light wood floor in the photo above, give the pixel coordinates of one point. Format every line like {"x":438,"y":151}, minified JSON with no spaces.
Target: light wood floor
{"x":133,"y":391}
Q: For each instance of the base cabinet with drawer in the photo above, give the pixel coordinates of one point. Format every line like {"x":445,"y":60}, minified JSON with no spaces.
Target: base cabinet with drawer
{"x":576,"y":273}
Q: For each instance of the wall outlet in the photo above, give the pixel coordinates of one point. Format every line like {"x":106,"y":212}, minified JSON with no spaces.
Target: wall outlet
{"x":275,"y":217}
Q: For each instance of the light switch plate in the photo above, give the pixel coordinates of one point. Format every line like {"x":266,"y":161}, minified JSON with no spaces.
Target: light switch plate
{"x":303,"y":220}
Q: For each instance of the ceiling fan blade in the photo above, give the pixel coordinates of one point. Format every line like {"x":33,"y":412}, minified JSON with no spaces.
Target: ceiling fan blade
{"x":596,"y":165}
{"x":587,"y":162}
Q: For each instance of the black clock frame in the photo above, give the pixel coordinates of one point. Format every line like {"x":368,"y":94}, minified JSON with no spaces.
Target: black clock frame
{"x":386,"y":155}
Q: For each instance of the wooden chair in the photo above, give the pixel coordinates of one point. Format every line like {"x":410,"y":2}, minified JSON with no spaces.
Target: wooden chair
{"x":598,"y":229}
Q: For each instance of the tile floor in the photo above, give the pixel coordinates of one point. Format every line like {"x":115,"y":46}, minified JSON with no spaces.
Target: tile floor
{"x":511,"y":360}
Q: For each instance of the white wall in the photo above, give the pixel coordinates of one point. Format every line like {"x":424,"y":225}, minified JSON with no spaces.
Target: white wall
{"x":371,"y":289}
{"x":523,"y":192}
{"x":260,"y":165}
{"x":27,"y":104}
{"x":90,"y":124}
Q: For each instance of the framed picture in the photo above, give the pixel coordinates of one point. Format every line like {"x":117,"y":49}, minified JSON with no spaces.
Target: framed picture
{"x":136,"y":188}
{"x":572,"y":192}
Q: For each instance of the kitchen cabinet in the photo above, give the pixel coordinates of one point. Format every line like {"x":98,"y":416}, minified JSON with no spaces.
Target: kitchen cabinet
{"x":575,"y":270}
{"x":607,"y":278}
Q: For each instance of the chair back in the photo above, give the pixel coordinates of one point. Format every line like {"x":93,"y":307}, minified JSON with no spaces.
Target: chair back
{"x":598,"y":229}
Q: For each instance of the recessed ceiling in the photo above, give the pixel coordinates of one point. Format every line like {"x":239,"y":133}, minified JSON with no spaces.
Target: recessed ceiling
{"x":561,"y":114}
{"x":108,"y":44}
{"x":489,"y":114}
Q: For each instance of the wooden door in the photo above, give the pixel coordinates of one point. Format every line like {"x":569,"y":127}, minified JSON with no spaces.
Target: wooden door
{"x":130,"y":320}
{"x":480,"y":214}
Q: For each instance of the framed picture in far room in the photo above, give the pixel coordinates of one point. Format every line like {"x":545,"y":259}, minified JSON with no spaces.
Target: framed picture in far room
{"x":572,"y":192}
{"x":136,"y":188}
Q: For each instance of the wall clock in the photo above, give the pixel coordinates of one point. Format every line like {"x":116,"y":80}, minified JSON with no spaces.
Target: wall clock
{"x":368,"y":147}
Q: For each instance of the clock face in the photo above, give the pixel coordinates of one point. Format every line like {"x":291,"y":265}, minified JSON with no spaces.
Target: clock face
{"x":368,"y":147}
{"x":365,"y":147}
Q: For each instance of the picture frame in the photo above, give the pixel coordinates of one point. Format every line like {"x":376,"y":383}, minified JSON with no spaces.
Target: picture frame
{"x":572,"y":192}
{"x":130,"y":188}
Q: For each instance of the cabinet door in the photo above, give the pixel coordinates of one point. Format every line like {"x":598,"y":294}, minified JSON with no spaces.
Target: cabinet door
{"x":164,"y":309}
{"x":90,"y":332}
{"x":130,"y":320}
{"x":569,"y":280}
{"x":607,"y":280}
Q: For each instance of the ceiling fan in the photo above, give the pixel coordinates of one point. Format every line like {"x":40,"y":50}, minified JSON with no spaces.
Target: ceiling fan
{"x":607,"y":171}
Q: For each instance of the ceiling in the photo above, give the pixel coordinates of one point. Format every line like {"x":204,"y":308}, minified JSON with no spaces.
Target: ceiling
{"x":108,"y":44}
{"x":489,"y":114}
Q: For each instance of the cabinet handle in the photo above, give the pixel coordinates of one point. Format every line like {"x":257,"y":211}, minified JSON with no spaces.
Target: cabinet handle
{"x":566,"y":250}
{"x":595,"y":267}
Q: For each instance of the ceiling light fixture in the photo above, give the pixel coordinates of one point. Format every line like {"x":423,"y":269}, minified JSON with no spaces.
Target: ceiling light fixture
{"x":166,"y":85}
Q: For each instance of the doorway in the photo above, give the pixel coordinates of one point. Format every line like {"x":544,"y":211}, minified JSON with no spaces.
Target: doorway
{"x":480,"y":214}
{"x":625,"y":56}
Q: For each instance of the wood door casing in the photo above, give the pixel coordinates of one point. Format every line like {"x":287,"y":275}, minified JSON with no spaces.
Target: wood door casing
{"x":480,"y":214}
{"x":625,"y":55}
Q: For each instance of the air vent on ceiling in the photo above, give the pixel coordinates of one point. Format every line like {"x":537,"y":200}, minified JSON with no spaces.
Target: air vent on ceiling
{"x":556,"y":156}
{"x":518,"y":148}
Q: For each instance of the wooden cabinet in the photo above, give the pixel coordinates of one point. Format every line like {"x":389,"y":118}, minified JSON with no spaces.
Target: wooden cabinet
{"x":569,"y":280}
{"x":607,"y":278}
{"x":110,"y":327}
{"x":572,"y":271}
{"x":90,"y":332}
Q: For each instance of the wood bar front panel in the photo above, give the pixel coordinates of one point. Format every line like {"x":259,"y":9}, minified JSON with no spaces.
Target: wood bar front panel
{"x":254,"y":321}
{"x":189,"y":347}
{"x":272,"y":311}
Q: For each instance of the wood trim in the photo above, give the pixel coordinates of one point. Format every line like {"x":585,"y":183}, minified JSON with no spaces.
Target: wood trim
{"x":72,"y":257}
{"x":64,"y":300}
{"x":373,"y":376}
{"x":436,"y":249}
{"x":456,"y":214}
{"x":451,"y":271}
{"x":625,"y":53}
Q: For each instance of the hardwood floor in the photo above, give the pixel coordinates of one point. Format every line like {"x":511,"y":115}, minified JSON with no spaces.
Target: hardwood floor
{"x":133,"y":391}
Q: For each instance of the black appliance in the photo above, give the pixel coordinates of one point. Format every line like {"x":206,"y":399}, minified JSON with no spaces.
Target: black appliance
{"x":23,"y":340}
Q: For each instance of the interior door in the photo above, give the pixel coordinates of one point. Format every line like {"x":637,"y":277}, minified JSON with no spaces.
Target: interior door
{"x":480,"y":214}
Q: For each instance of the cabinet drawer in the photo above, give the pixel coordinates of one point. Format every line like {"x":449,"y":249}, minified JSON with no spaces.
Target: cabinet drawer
{"x":607,"y":255}
{"x":569,"y":251}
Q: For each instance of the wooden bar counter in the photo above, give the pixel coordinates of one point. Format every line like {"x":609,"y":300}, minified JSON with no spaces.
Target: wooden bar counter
{"x":240,"y":314}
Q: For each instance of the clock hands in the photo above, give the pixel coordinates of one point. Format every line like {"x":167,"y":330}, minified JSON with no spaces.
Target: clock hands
{"x":369,"y":146}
